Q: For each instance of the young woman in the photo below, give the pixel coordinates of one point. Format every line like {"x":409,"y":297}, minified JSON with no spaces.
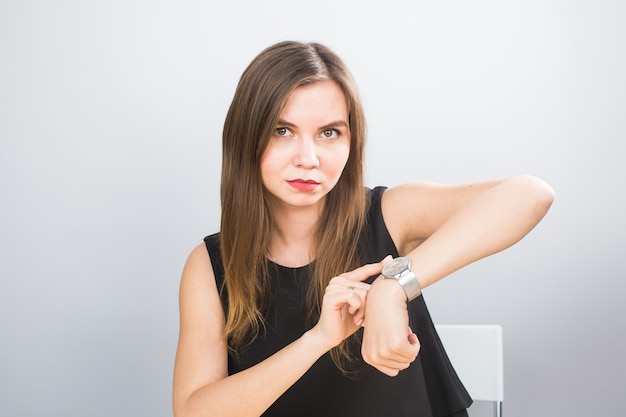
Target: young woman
{"x":285,"y":311}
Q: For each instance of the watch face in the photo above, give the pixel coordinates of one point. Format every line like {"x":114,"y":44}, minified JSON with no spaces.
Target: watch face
{"x":395,"y":267}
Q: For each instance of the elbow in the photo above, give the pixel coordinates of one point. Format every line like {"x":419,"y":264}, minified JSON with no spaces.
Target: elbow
{"x":537,"y":193}
{"x":180,"y":408}
{"x":182,"y":412}
{"x":189,"y":407}
{"x":544,"y":194}
{"x":177,"y":410}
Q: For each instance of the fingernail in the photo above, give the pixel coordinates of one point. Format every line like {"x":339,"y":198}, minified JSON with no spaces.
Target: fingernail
{"x":387,"y":258}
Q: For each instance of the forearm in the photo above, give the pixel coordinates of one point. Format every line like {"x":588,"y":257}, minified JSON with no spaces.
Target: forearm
{"x":251,"y":392}
{"x":469,"y":224}
{"x":491,"y":222}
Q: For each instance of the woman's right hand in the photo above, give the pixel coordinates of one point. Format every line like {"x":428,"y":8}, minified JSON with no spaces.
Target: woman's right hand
{"x":343,"y":306}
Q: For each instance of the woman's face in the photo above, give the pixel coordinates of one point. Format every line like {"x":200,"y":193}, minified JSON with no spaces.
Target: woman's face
{"x":309,"y":147}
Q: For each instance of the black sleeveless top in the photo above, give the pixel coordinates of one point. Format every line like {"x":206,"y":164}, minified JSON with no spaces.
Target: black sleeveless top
{"x":428,"y":388}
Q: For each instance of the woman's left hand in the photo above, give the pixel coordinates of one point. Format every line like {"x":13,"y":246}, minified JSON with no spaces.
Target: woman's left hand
{"x":389,"y":344}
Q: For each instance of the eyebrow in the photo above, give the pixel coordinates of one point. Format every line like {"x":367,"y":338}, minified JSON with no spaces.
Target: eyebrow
{"x":336,"y":123}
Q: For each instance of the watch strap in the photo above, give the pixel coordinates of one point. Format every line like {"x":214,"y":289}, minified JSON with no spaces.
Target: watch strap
{"x":411,"y":286}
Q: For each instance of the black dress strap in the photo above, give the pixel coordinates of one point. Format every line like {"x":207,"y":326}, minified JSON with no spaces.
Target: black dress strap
{"x":212,"y":244}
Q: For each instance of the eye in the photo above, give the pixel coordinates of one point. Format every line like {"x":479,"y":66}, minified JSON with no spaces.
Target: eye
{"x":330,"y":133}
{"x":282,"y":131}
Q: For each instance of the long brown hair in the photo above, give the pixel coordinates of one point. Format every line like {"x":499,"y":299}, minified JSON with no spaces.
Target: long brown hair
{"x":261,"y":94}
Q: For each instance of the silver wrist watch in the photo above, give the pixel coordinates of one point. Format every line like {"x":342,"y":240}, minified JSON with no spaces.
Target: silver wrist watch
{"x":400,"y":270}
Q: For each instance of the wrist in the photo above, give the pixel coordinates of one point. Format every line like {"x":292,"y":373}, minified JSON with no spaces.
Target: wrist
{"x":387,"y":289}
{"x":316,"y":341}
{"x":399,"y":270}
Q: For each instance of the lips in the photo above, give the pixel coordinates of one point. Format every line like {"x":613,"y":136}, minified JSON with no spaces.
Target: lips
{"x":303,"y":185}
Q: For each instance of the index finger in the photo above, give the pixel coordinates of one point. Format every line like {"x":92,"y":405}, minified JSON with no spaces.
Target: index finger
{"x":363,"y":272}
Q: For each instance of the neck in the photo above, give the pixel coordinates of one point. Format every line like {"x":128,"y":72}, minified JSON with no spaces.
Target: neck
{"x":292,"y":240}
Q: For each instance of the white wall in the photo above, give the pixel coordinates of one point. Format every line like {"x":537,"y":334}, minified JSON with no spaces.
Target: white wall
{"x":110,"y":123}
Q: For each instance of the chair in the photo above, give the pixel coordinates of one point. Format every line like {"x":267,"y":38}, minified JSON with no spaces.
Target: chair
{"x":476,"y":354}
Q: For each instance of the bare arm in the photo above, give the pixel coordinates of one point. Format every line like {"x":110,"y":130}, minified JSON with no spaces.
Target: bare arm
{"x":461,"y":224}
{"x":201,"y":384}
{"x":441,"y":229}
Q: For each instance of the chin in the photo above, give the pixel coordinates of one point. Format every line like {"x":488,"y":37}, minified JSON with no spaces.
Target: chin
{"x":303,"y":200}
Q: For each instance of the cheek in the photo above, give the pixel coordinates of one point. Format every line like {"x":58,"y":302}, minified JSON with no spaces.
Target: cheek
{"x":340,"y":159}
{"x":266,"y":167}
{"x":273,"y":162}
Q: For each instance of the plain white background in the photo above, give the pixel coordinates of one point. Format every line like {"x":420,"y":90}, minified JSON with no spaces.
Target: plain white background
{"x":110,"y":128}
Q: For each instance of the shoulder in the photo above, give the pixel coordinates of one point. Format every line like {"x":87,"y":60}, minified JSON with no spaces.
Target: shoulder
{"x":199,"y":256}
{"x":202,"y":273}
{"x":199,"y":300}
{"x":198,"y":268}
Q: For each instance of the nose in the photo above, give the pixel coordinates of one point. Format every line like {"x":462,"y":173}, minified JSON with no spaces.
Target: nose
{"x":306,"y":154}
